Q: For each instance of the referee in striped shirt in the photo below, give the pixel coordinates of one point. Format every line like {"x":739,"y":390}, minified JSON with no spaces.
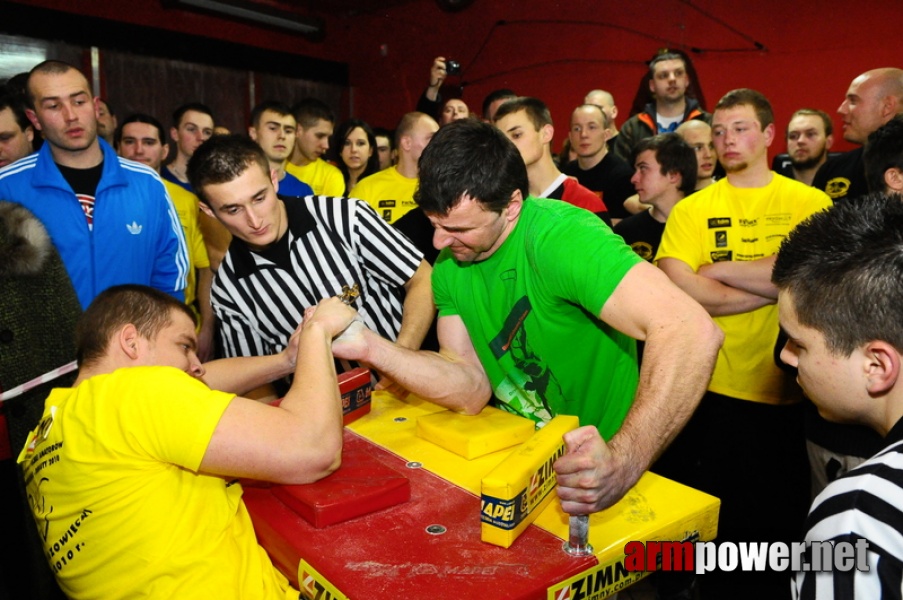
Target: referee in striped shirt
{"x":290,"y":253}
{"x":840,"y":281}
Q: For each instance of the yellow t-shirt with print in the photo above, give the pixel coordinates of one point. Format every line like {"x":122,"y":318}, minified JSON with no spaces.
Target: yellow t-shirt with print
{"x":723,"y":222}
{"x":390,"y":193}
{"x":324,"y":178}
{"x":112,"y":475}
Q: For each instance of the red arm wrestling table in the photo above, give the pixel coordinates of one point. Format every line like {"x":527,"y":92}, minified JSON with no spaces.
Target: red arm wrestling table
{"x":391,"y":554}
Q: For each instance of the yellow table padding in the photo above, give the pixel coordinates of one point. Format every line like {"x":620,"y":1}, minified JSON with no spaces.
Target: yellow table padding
{"x":656,"y":509}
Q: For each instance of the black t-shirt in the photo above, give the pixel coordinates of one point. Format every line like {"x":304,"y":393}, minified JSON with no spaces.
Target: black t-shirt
{"x":610,"y":178}
{"x":843,"y":177}
{"x":642,"y":233}
{"x":84,"y":183}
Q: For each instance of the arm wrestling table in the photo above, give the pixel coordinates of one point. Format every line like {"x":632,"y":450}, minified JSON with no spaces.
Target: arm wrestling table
{"x":429,"y":546}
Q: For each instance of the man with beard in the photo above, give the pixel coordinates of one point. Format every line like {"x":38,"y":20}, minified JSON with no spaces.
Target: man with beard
{"x":809,"y":137}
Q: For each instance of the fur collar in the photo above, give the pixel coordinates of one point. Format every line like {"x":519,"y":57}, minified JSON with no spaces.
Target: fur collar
{"x":24,"y":243}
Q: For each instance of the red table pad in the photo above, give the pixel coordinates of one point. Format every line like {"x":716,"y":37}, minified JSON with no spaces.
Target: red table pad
{"x":427,"y":547}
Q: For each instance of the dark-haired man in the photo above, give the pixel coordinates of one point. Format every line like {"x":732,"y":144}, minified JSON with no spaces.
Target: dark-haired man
{"x":76,"y":181}
{"x":719,"y":246}
{"x":315,"y":122}
{"x":106,"y":121}
{"x":527,"y":312}
{"x":668,"y":83}
{"x":192,"y":124}
{"x":288,"y":255}
{"x":132,"y":472}
{"x":273,"y":127}
{"x":665,"y":172}
{"x":16,"y":133}
{"x":528,"y":123}
{"x":827,"y":269}
{"x":493,"y":100}
{"x":883,"y":158}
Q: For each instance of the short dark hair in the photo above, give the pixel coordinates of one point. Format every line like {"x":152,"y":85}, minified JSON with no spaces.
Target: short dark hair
{"x":674,"y":155}
{"x":812,"y":112}
{"x":139,"y":118}
{"x":493,"y":96}
{"x":310,"y":110}
{"x":48,"y":67}
{"x":108,"y":105}
{"x":280,"y":108}
{"x":15,"y":103}
{"x":748,"y":97}
{"x":222,"y":159}
{"x":470,"y":158}
{"x":536,"y":110}
{"x":844,"y":268}
{"x":386,"y":133}
{"x":883,"y":151}
{"x":664,"y":55}
{"x":178,"y":113}
{"x":149,"y":310}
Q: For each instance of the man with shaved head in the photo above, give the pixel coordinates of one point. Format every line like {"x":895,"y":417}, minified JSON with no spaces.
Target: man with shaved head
{"x":76,"y":181}
{"x":873,"y":99}
{"x":607,"y":102}
{"x":698,"y":134}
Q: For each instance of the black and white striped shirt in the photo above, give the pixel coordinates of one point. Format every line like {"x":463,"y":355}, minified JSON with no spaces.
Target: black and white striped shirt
{"x":865,"y":503}
{"x":259,"y":297}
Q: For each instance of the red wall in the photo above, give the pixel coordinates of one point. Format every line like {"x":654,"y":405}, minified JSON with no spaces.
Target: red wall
{"x":558,"y":50}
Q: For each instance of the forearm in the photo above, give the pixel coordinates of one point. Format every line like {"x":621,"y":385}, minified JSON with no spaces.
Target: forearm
{"x":750,"y":276}
{"x":239,"y":375}
{"x":314,"y":398}
{"x":717,"y":298}
{"x":669,"y":390}
{"x":439,"y":378}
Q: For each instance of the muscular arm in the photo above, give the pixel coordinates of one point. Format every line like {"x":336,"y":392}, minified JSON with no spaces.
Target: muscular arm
{"x":301,"y":440}
{"x":419,"y":310}
{"x":452,"y":377}
{"x":240,"y":375}
{"x":716,"y":297}
{"x":752,"y":276}
{"x":594,"y":475}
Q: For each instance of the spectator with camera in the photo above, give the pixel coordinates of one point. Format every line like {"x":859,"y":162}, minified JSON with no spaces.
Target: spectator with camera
{"x":430,"y":101}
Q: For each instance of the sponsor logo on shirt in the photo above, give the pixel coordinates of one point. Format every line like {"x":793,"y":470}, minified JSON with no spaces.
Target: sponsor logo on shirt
{"x":837,"y":187}
{"x":721,"y":239}
{"x":721,"y":255}
{"x":134,"y":228}
{"x":717,"y":222}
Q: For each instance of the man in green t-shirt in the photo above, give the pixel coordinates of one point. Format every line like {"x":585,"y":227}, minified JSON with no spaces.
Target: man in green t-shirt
{"x":538,"y":302}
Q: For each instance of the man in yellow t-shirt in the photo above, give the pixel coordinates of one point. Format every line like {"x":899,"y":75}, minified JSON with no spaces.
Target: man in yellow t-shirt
{"x":315,"y":123}
{"x":391,"y":191}
{"x":131,"y":473}
{"x":745,"y":443}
